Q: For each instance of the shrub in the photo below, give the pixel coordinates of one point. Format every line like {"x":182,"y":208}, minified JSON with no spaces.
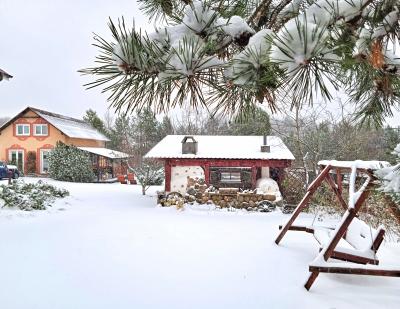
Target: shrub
{"x":149,"y":173}
{"x":68,"y":163}
{"x":31,"y":162}
{"x":30,"y":196}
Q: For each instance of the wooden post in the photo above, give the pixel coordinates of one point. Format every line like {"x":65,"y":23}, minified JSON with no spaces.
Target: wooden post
{"x":311,"y":280}
{"x":335,"y":190}
{"x":253,"y":177}
{"x":207,"y":173}
{"x":167,"y":176}
{"x":304,"y":202}
{"x":339,"y":180}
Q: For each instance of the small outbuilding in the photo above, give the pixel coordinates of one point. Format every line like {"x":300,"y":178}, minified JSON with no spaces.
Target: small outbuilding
{"x":222,"y":161}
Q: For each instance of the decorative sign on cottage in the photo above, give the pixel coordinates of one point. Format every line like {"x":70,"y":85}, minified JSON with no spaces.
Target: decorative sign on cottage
{"x":222,"y":161}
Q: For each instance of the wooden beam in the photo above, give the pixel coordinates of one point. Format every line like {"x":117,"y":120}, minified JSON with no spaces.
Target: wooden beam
{"x":299,"y":228}
{"x":167,"y":176}
{"x":339,"y":181}
{"x":356,"y":271}
{"x":378,"y":240}
{"x":351,"y":214}
{"x":207,"y":173}
{"x":353,"y":258}
{"x":335,"y":190}
{"x":311,"y":279}
{"x":253,"y":177}
{"x":304,"y":202}
{"x":230,"y":162}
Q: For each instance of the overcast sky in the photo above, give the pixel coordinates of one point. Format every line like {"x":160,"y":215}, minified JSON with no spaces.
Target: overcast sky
{"x":45,"y":42}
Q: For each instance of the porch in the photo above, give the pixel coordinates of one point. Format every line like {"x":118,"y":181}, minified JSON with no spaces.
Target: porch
{"x":107,"y":164}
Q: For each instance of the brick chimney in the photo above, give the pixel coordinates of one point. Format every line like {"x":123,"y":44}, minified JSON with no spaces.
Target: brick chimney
{"x":189,"y":145}
{"x":265,"y":147}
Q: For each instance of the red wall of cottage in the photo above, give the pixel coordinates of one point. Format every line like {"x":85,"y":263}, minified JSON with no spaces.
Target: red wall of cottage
{"x":207,"y":163}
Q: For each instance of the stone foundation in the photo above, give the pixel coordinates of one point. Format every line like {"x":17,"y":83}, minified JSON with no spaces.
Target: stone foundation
{"x":197,"y":191}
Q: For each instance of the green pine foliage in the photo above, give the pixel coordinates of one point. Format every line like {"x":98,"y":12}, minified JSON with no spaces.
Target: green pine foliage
{"x":30,"y":196}
{"x":68,"y":163}
{"x":256,"y":122}
{"x":229,"y":56}
{"x":95,"y":121}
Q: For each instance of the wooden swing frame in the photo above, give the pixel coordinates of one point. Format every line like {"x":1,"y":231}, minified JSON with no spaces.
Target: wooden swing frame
{"x":328,"y":251}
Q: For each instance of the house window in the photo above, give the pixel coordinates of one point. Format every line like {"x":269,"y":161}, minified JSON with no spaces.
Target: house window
{"x":230,"y":177}
{"x":41,"y":130}
{"x":23,"y":129}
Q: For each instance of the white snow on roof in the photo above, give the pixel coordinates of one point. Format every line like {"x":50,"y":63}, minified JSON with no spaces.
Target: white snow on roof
{"x":72,"y":127}
{"x":222,"y":147}
{"x":108,"y":153}
{"x":372,"y":165}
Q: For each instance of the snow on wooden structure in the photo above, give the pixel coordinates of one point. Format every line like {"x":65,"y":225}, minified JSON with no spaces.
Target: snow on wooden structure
{"x":223,"y":161}
{"x":352,"y":240}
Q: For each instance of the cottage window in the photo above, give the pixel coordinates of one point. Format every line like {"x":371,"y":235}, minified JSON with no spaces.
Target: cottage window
{"x":41,"y":129}
{"x":23,"y":129}
{"x":230,"y":177}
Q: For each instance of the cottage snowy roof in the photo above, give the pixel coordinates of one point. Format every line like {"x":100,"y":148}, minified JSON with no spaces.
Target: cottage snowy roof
{"x":71,"y":127}
{"x":222,"y":147}
{"x":104,"y":152}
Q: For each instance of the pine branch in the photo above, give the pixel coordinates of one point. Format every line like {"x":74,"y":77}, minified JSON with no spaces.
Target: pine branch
{"x":276,"y":11}
{"x":259,"y":13}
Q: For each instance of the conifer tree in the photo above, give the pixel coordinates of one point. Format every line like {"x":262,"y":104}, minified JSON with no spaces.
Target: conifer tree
{"x":230,"y":55}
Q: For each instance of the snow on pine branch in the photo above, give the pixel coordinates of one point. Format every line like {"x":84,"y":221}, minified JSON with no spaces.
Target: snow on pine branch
{"x":299,"y":48}
{"x":390,"y":177}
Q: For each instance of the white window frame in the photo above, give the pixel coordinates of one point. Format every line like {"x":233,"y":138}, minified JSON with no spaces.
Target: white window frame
{"x":42,"y":151}
{"x":17,"y":151}
{"x":23,"y":125}
{"x":40,"y":125}
{"x":232,"y":177}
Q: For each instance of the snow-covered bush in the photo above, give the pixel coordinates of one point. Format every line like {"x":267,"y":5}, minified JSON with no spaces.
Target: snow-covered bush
{"x":68,"y":163}
{"x":390,"y":177}
{"x":149,"y":173}
{"x":30,"y":196}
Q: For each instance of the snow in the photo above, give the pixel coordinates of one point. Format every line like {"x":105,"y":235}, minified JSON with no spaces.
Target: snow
{"x":244,"y":64}
{"x":268,"y":186}
{"x":235,"y":26}
{"x":198,"y":16}
{"x":222,"y":147}
{"x":390,"y":175}
{"x":298,"y":42}
{"x":372,"y":165}
{"x":73,"y":128}
{"x":107,"y":246}
{"x":108,"y":153}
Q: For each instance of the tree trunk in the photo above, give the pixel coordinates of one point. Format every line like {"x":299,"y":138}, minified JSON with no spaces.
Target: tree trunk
{"x":143,"y":190}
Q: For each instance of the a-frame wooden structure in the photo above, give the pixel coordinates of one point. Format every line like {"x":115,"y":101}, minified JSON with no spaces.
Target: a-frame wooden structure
{"x":356,"y":200}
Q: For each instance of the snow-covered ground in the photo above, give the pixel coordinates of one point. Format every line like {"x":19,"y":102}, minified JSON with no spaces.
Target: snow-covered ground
{"x":107,"y":246}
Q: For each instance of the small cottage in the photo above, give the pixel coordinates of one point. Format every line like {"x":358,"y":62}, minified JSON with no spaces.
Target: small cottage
{"x":222,"y":161}
{"x":34,"y":133}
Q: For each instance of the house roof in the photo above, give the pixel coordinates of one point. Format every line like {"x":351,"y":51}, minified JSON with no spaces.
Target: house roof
{"x":222,"y":147}
{"x":71,"y":127}
{"x":108,"y":153}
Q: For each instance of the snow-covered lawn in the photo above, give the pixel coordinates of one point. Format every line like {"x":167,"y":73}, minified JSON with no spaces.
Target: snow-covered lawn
{"x":107,"y":246}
